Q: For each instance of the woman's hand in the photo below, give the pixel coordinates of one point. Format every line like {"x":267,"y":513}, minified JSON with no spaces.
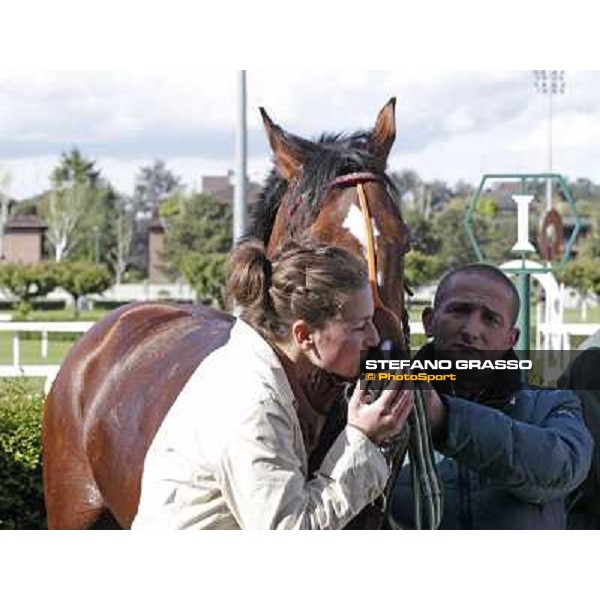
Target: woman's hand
{"x":383,"y":418}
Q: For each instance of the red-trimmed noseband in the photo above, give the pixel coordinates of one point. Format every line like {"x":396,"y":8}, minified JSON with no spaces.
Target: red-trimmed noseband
{"x":356,"y":178}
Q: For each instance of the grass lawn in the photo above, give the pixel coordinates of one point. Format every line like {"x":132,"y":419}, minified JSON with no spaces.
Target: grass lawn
{"x":64,"y":315}
{"x":573,"y":315}
{"x":31,"y":350}
{"x":31,"y":342}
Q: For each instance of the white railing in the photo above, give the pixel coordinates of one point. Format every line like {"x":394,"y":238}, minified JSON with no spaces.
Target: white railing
{"x":49,"y":372}
{"x":566,"y":330}
{"x":16,"y":368}
{"x":416,"y":327}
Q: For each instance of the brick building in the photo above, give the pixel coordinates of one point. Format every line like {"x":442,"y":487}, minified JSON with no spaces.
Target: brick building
{"x":23,"y":239}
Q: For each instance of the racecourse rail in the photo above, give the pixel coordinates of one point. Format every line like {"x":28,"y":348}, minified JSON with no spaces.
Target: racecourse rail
{"x":17,"y":369}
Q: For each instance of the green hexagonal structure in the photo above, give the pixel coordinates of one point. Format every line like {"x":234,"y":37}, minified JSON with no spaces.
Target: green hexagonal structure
{"x":468,"y":221}
{"x":523,"y":273}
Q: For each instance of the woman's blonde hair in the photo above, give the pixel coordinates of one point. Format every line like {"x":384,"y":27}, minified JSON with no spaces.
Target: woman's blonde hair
{"x":305,"y":280}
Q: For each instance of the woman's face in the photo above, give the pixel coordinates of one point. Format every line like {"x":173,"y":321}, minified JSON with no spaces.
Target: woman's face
{"x":338,"y":344}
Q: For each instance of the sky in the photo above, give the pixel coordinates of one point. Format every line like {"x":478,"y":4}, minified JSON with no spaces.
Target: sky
{"x":451,"y":125}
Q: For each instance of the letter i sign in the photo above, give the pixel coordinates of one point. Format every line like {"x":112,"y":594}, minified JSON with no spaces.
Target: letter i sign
{"x":523,"y":244}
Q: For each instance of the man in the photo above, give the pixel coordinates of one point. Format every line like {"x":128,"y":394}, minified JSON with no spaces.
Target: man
{"x":511,"y":454}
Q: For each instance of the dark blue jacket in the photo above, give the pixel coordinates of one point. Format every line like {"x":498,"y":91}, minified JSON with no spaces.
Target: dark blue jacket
{"x":583,"y":377}
{"x":508,"y":467}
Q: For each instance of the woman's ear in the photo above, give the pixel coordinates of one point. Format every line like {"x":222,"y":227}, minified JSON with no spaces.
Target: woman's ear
{"x":302,"y":335}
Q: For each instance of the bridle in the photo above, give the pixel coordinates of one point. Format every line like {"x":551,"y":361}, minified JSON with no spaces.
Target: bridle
{"x":358,"y":180}
{"x":426,"y":483}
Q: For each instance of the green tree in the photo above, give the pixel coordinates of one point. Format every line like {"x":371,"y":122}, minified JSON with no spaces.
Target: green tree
{"x":406,"y":180}
{"x":63,"y":210}
{"x":590,"y":245}
{"x":198,"y":237}
{"x":487,"y":207}
{"x":153,"y":185}
{"x":456,"y":249}
{"x":75,"y":169}
{"x":463,"y":189}
{"x":80,"y":278}
{"x":122,"y":231}
{"x":206,"y":274}
{"x":420,"y":268}
{"x":423,"y":236}
{"x":77,"y":209}
{"x":583,"y":274}
{"x":24,"y":282}
{"x":201,"y":225}
{"x":497,"y":235}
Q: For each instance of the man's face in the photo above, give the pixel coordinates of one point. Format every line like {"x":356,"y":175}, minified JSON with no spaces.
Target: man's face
{"x":473,"y":320}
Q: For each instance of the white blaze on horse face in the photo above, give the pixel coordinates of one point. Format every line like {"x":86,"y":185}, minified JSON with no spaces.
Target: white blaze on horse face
{"x":355,"y":224}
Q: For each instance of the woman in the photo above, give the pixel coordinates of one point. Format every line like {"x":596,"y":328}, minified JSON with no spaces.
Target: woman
{"x":233,"y":450}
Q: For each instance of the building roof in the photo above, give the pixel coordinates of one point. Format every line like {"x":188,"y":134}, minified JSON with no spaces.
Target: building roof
{"x":25,"y":223}
{"x":156,"y":225}
{"x":222,"y":190}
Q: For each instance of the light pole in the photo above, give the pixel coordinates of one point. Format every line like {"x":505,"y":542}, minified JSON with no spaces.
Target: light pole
{"x":5,"y":180}
{"x":550,"y":83}
{"x":239,"y":204}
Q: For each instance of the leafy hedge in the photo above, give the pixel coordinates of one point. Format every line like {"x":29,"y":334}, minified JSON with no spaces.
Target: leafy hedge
{"x":21,"y":490}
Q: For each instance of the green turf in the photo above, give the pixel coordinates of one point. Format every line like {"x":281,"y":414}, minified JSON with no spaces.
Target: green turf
{"x":573,"y":315}
{"x":64,"y":315}
{"x":31,"y":350}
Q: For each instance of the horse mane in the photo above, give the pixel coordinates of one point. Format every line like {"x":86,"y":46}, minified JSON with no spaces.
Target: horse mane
{"x":328,"y":157}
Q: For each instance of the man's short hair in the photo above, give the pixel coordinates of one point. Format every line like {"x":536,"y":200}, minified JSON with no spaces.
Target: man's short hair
{"x":485,"y":271}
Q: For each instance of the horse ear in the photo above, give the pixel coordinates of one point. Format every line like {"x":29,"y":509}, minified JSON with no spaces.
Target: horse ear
{"x":384,"y":132}
{"x":289,"y":151}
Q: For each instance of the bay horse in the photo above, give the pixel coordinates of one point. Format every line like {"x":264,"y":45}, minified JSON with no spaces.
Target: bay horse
{"x":119,"y":380}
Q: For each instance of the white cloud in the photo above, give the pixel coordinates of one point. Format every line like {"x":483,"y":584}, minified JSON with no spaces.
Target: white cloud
{"x":451,"y":124}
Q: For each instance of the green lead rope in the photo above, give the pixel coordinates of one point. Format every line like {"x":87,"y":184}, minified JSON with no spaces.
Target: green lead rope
{"x":426,"y":484}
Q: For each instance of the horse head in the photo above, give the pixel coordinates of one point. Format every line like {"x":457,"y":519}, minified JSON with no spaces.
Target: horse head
{"x":335,"y":189}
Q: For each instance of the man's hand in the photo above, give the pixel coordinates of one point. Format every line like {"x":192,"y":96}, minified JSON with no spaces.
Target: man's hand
{"x":383,"y":418}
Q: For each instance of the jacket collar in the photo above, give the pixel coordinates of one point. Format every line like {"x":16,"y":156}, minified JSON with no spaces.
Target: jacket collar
{"x":252,"y":346}
{"x":498,"y":391}
{"x":255,"y":344}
